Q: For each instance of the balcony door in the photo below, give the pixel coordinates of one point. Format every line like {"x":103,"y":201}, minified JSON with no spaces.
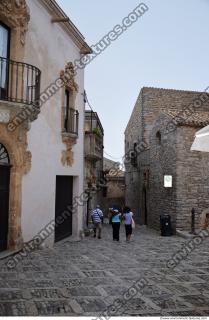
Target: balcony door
{"x":4,"y":55}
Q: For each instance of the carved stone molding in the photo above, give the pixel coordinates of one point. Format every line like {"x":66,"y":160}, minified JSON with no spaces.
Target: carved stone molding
{"x":68,"y":155}
{"x":20,"y":161}
{"x":68,"y":77}
{"x":69,"y":139}
{"x":16,"y":14}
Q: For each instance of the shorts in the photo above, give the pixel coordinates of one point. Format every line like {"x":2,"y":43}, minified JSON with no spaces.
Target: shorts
{"x":128,"y":228}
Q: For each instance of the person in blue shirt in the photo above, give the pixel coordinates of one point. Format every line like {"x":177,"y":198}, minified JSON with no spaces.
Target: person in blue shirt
{"x":116,"y":217}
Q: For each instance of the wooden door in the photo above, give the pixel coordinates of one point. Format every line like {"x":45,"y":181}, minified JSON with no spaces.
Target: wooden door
{"x":4,"y":205}
{"x":64,"y":198}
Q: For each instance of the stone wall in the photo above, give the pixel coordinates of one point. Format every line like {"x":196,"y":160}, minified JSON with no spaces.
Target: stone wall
{"x":132,"y":134}
{"x":167,"y":157}
{"x":192,"y":179}
{"x":115,"y":195}
{"x":162,"y":160}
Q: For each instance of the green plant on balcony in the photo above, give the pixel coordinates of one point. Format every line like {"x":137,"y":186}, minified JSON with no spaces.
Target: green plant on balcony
{"x":97,"y":132}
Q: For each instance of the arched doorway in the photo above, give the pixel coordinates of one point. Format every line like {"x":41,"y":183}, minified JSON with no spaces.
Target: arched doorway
{"x":4,"y":196}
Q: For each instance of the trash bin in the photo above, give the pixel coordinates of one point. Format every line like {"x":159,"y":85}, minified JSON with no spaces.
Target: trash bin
{"x":165,"y":225}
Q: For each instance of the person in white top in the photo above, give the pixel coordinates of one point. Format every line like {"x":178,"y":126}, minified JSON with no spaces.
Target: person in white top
{"x":128,"y":220}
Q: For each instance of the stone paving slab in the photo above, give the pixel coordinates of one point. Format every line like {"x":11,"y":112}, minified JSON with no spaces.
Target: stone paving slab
{"x":85,"y":278}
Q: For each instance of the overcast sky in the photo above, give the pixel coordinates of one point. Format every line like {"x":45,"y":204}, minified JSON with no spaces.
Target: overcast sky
{"x":168,"y":47}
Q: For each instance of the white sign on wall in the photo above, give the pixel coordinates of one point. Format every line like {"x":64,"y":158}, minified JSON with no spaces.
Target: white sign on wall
{"x":4,"y":116}
{"x":168,"y":181}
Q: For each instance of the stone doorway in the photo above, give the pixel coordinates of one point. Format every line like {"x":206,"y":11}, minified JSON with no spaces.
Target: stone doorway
{"x":144,"y":206}
{"x":14,"y":154}
{"x":64,"y":200}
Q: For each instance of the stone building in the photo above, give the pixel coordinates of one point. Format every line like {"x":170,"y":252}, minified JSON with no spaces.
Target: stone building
{"x":114,"y":191}
{"x":163,"y":176}
{"x":41,"y":135}
{"x":94,"y":140}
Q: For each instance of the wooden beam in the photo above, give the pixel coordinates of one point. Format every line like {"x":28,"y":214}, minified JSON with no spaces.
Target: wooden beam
{"x":59,"y":19}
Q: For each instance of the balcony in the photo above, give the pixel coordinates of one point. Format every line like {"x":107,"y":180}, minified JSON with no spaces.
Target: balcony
{"x":94,"y":134}
{"x":93,"y":146}
{"x":19,"y":82}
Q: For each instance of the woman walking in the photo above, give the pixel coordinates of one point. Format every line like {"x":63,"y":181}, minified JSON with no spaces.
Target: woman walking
{"x":116,"y":216}
{"x":128,"y":219}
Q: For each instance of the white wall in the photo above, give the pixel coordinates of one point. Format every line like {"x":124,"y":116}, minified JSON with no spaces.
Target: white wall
{"x":49,"y":48}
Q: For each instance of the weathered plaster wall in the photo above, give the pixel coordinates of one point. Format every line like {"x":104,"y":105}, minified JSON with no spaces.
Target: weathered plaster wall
{"x":49,"y":48}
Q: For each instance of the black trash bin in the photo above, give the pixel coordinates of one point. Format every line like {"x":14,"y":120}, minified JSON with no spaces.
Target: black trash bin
{"x":165,"y":225}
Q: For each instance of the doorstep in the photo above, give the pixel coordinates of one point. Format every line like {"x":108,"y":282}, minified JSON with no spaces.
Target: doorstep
{"x":186,"y":234}
{"x":8,"y":253}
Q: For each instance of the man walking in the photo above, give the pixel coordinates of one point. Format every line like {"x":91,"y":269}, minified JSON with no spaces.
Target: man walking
{"x":97,"y":218}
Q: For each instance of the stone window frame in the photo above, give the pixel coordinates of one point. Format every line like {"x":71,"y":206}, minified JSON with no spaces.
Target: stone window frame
{"x":71,"y":105}
{"x":68,"y":77}
{"x":69,"y":139}
{"x":15,"y":15}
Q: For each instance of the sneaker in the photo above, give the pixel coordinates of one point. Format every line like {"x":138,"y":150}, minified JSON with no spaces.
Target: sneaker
{"x":99,"y":238}
{"x":94,"y":236}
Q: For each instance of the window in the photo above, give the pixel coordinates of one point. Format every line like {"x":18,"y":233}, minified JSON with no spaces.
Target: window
{"x":4,"y":55}
{"x":4,"y":157}
{"x":66,"y":108}
{"x":4,"y":40}
{"x":158,"y":136}
{"x":71,"y":116}
{"x":134,"y":156}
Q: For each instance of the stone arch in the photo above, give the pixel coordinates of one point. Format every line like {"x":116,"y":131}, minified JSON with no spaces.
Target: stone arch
{"x":20,"y":162}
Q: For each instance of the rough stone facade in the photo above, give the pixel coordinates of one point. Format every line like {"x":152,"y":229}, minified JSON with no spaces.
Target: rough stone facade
{"x":158,"y":139}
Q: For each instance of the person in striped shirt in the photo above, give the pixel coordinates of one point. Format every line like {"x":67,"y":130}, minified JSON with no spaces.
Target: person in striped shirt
{"x":97,"y":219}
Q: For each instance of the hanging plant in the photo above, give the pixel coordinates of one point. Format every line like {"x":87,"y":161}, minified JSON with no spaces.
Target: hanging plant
{"x":97,"y":132}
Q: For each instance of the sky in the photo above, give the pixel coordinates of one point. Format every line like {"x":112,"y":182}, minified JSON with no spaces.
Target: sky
{"x":167,"y":47}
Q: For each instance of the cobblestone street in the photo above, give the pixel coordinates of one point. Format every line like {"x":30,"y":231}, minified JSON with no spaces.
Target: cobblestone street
{"x":84,"y":278}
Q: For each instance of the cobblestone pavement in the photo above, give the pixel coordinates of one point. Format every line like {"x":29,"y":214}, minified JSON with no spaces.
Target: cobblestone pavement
{"x":84,"y":278}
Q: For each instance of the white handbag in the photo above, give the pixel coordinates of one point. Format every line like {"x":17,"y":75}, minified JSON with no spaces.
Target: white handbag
{"x":133,"y":224}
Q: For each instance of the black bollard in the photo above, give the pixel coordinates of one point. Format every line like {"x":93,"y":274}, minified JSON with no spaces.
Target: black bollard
{"x":193,"y":221}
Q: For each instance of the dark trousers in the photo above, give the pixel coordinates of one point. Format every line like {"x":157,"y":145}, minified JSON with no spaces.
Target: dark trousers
{"x":116,"y":230}
{"x":128,"y":228}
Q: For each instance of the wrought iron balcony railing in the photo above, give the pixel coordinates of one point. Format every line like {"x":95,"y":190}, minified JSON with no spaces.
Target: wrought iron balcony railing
{"x":71,"y":121}
{"x":19,"y":82}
